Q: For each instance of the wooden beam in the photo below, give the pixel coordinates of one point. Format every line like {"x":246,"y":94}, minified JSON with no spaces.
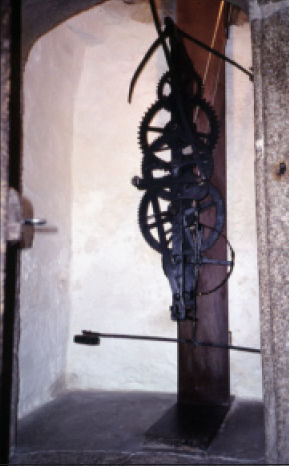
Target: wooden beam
{"x":203,"y":373}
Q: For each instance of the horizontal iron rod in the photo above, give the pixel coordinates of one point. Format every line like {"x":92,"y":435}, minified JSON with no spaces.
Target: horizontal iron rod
{"x":169,"y":340}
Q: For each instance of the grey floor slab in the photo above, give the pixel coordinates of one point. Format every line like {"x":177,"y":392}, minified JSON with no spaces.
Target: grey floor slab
{"x":97,"y":420}
{"x":242,"y":433}
{"x":109,"y":428}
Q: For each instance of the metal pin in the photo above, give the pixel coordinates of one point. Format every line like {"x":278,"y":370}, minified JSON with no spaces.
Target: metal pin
{"x":281,"y":169}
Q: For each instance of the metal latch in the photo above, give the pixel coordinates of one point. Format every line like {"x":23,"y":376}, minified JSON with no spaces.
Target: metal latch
{"x":15,"y":218}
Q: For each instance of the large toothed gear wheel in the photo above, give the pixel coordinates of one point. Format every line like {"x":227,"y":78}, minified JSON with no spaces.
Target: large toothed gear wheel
{"x":157,"y":212}
{"x":160,"y":133}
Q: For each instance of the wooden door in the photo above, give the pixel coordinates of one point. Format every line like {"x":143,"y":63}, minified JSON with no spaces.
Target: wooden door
{"x":10,"y":178}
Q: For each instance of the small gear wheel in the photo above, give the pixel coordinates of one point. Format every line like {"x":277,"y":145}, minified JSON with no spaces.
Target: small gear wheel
{"x":158,"y":209}
{"x":190,"y":85}
{"x":164,"y":86}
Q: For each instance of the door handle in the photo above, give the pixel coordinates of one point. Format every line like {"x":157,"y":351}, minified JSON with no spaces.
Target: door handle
{"x":34,"y":221}
{"x":15,"y":221}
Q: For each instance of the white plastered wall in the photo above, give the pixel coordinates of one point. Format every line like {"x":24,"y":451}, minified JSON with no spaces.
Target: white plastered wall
{"x":246,"y":377}
{"x":80,"y":140}
{"x":50,"y":80}
{"x":117,"y":279}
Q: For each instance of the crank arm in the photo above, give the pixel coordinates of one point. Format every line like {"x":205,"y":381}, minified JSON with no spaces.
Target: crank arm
{"x":93,"y":338}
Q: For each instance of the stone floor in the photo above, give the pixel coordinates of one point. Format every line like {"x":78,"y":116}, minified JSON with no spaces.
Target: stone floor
{"x":88,"y":428}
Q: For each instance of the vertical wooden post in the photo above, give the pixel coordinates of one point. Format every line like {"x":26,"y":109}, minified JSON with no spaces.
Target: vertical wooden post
{"x":203,"y":373}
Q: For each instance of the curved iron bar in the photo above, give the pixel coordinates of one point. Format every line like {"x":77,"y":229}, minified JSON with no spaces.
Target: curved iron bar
{"x":215,"y":52}
{"x":231,"y":265}
{"x":161,"y":40}
{"x":139,"y":69}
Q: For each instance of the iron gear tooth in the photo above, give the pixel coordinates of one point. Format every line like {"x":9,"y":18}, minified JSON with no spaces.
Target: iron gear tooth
{"x":165,"y":77}
{"x":204,"y":143}
{"x":215,"y":124}
{"x":206,"y":107}
{"x":192,"y":77}
{"x":144,"y":121}
{"x":217,"y":129}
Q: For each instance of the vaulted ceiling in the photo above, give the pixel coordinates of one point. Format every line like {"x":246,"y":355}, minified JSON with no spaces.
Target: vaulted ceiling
{"x":39,"y":16}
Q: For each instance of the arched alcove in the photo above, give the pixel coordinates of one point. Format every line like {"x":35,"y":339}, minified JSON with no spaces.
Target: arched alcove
{"x":269,"y":23}
{"x":96,"y":271}
{"x":91,"y":268}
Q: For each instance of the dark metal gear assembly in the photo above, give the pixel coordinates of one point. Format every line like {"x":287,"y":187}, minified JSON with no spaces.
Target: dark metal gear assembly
{"x":177,"y":136}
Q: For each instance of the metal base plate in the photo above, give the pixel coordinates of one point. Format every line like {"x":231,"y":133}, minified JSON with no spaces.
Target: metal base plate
{"x":188,"y":425}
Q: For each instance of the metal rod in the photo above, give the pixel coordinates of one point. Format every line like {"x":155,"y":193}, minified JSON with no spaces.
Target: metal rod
{"x":155,"y":17}
{"x":98,"y":335}
{"x":218,"y":54}
{"x":159,"y":31}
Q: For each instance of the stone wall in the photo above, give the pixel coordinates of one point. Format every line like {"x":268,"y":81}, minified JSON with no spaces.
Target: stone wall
{"x":270,"y":26}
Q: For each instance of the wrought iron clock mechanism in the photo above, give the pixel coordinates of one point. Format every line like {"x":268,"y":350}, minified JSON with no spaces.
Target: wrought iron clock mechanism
{"x":177,"y":137}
